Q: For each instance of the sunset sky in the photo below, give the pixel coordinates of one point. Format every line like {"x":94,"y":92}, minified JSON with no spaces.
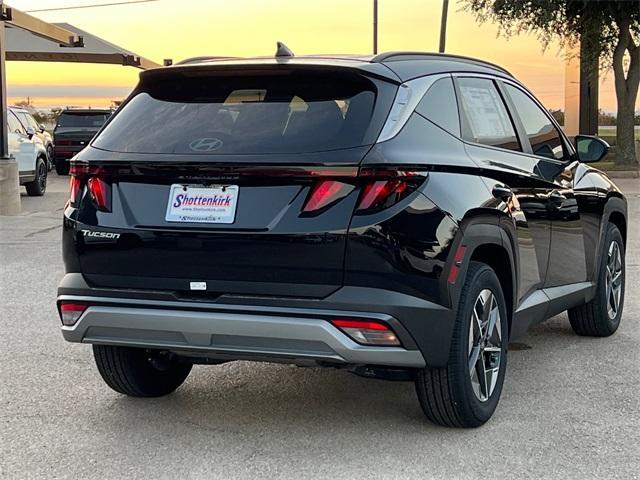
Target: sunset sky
{"x":185,"y":28}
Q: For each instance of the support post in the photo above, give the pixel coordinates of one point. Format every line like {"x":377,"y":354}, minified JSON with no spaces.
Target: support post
{"x":9,"y":183}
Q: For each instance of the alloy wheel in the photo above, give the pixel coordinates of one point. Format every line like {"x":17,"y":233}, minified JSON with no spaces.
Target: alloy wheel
{"x":485,"y":345}
{"x":613,"y":280}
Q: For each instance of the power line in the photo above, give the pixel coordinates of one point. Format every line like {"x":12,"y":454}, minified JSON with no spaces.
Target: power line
{"x":90,"y":6}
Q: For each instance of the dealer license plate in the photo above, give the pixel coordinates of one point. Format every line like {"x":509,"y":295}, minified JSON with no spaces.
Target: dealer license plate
{"x":216,"y":204}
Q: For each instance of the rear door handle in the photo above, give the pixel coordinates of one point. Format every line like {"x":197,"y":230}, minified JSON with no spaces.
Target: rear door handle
{"x":502,"y":192}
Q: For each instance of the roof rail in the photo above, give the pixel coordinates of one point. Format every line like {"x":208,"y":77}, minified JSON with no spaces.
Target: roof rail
{"x":190,"y":60}
{"x":383,"y":57}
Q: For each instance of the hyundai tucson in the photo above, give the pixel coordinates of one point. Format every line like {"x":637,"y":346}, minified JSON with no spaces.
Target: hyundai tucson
{"x":402,"y":216}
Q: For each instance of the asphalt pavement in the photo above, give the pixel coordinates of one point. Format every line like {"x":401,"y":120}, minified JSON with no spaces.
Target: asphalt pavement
{"x":570,"y":406}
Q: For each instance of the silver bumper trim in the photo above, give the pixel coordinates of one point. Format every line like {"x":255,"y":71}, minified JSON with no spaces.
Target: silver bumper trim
{"x":238,"y":335}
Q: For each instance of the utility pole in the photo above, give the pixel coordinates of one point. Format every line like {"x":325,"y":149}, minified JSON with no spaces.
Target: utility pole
{"x":375,"y":27}
{"x":443,"y":25}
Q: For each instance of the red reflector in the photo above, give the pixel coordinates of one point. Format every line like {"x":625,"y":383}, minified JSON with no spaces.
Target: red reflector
{"x":459,"y":254}
{"x":100,"y":193}
{"x":367,"y":332}
{"x":73,"y":307}
{"x":457,"y":261}
{"x":324,"y":193}
{"x":71,"y":312}
{"x":359,"y":324}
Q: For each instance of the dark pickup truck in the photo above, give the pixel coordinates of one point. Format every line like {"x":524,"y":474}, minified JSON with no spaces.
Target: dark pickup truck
{"x":74,"y":130}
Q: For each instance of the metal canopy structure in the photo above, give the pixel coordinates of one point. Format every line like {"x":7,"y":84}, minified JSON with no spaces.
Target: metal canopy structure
{"x":24,"y":46}
{"x":24,"y":37}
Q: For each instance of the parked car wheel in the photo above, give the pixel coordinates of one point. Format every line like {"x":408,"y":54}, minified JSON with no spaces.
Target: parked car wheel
{"x":38,"y":186}
{"x":465,"y":393}
{"x":62,"y":166}
{"x":601,"y":316}
{"x":50,"y":156}
{"x":139,"y":372}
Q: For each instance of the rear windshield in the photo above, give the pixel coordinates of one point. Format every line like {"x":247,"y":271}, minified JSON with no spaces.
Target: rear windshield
{"x":83,"y":120}
{"x":291,"y":113}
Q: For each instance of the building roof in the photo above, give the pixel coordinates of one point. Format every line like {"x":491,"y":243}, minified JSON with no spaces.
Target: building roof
{"x":22,"y":45}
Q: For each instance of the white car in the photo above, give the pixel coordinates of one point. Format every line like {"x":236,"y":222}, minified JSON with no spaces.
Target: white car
{"x":30,"y":154}
{"x":27,"y":121}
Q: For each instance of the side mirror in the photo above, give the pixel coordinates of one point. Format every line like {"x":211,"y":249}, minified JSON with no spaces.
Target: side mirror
{"x":42,"y":128}
{"x":590,"y":148}
{"x":30,"y":132}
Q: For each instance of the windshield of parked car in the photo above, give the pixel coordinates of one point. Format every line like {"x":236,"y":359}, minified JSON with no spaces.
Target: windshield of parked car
{"x":82,"y":120}
{"x":292,"y":113}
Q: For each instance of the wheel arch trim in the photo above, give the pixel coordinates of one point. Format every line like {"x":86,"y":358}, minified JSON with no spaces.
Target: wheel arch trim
{"x":476,"y":234}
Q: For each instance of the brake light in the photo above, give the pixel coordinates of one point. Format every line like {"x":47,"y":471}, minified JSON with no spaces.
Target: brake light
{"x":94,"y":178}
{"x":100,"y":193}
{"x":367,"y":332}
{"x":71,"y":312}
{"x":74,"y":189}
{"x":325,"y":193}
{"x":377,"y":193}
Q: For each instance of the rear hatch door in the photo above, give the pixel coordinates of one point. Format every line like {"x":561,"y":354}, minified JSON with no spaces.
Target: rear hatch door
{"x":215,"y":183}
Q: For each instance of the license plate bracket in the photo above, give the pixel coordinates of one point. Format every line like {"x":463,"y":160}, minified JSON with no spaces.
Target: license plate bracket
{"x":202,"y":204}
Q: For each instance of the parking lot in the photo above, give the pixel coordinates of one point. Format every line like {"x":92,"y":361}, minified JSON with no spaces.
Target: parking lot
{"x":570,"y":407}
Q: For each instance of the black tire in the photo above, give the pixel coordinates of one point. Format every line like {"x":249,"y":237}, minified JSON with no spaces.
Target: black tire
{"x":50,"y":157}
{"x":139,"y":372}
{"x":39,"y":184}
{"x":595,"y":319}
{"x":62,"y":166}
{"x":446,"y":394}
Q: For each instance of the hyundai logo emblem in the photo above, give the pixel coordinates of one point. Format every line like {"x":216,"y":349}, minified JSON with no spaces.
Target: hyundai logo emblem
{"x":205,"y":144}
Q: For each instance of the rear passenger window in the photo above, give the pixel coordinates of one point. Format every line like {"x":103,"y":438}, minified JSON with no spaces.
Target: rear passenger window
{"x":544,"y":137}
{"x":485,"y":118}
{"x":13,"y":125}
{"x":439,"y":106}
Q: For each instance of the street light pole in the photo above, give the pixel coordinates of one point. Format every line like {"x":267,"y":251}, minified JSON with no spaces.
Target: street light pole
{"x":443,"y":25}
{"x":375,"y":27}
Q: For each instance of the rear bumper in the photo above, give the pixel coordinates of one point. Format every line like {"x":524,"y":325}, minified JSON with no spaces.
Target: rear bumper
{"x":279,"y":329}
{"x":232,"y":335}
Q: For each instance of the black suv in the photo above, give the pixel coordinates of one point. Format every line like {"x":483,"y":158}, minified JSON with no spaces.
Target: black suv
{"x":402,"y":216}
{"x":74,"y":130}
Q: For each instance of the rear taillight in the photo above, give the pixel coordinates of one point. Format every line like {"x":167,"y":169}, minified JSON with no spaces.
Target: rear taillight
{"x":367,"y":332}
{"x":74,"y":189}
{"x":324,"y":193}
{"x":379,"y":189}
{"x":95,"y":180}
{"x":100,"y":192}
{"x":378,"y":194}
{"x":71,"y":312}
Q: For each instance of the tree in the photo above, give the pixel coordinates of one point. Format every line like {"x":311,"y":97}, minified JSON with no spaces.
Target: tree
{"x":608,"y":31}
{"x":606,"y":119}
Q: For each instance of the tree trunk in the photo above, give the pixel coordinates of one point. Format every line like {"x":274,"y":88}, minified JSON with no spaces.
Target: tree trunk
{"x":626,"y":94}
